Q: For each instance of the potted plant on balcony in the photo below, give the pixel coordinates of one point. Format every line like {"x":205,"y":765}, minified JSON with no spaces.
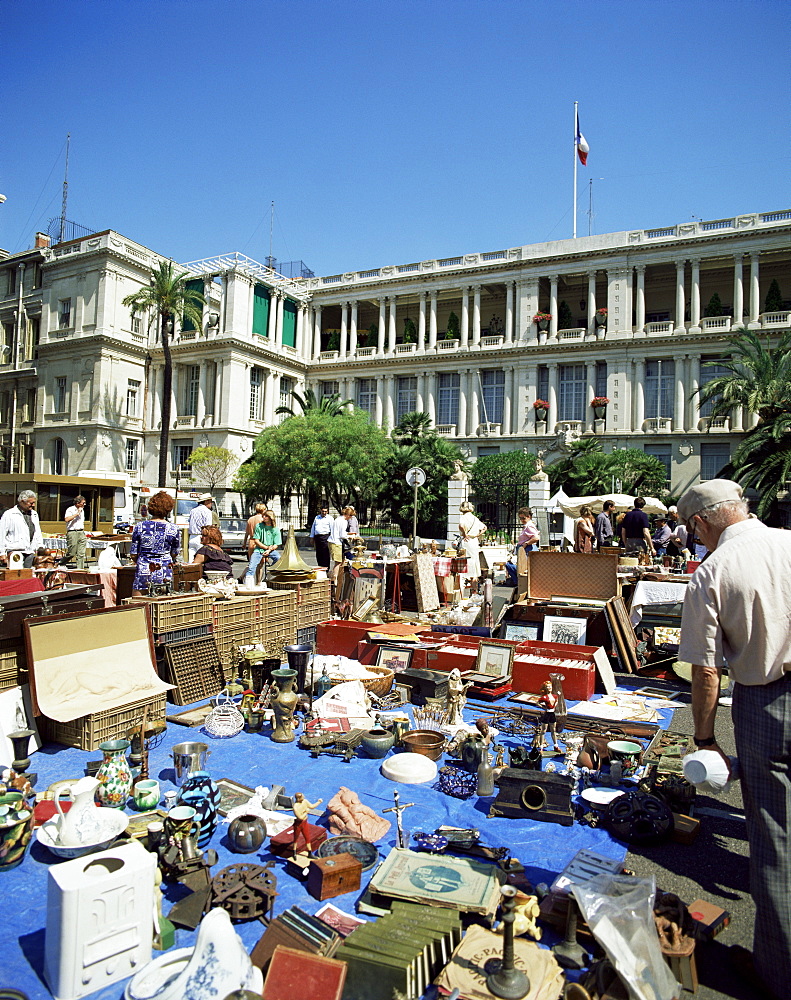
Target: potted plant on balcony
{"x":542,"y":320}
{"x":599,"y":404}
{"x":601,"y":316}
{"x":541,"y":407}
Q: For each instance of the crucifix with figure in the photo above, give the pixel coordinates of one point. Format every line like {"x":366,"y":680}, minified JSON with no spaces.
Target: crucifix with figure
{"x":398,"y":809}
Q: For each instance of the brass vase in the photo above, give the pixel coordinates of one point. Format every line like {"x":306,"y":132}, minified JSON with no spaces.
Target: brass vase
{"x":283,"y":704}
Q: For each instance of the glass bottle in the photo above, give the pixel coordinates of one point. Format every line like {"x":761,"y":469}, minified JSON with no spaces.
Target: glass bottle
{"x":485,"y":783}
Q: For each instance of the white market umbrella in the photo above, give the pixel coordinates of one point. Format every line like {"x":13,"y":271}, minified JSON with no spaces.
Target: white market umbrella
{"x":623,"y":501}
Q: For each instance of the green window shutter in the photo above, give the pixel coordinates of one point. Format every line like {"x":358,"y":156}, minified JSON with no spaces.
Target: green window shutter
{"x":194,"y":285}
{"x":261,"y":310}
{"x":289,"y":323}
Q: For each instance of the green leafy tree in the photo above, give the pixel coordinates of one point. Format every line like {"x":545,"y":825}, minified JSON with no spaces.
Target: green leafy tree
{"x":774,"y":298}
{"x":331,"y":405}
{"x":503,"y":481}
{"x":762,"y":462}
{"x":452,"y":332}
{"x":211,"y":465}
{"x":565,"y":318}
{"x":410,"y":332}
{"x":585,"y":470}
{"x":170,"y":298}
{"x":714,"y":308}
{"x":413,"y":428}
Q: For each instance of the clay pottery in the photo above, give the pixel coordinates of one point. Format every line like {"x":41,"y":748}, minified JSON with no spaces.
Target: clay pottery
{"x":200,"y":792}
{"x":82,"y":823}
{"x":283,"y":704}
{"x":378,"y":742}
{"x":146,"y":794}
{"x":246,"y":834}
{"x":628,"y":753}
{"x":114,"y":776}
{"x":16,"y":827}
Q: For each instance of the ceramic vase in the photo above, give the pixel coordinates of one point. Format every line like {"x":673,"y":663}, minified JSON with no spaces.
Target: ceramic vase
{"x":16,"y":826}
{"x":114,"y":776}
{"x":200,"y":792}
{"x":246,"y":834}
{"x":283,"y":705}
{"x":378,"y":741}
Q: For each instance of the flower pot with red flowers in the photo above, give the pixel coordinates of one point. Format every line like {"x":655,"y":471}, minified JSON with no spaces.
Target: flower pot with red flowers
{"x":541,"y":408}
{"x":542,"y":320}
{"x":601,"y":317}
{"x":599,"y":404}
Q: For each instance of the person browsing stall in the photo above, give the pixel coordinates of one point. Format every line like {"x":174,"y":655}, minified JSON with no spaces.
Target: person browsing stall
{"x":156,"y":544}
{"x":20,"y":530}
{"x":211,"y":554}
{"x":635,"y":532}
{"x":661,"y":536}
{"x":528,"y":540}
{"x":602,"y":526}
{"x":266,"y":539}
{"x":75,"y":532}
{"x":320,"y":532}
{"x":200,"y":517}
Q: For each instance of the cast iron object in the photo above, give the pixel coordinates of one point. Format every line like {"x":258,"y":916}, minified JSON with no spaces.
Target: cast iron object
{"x":247,"y":892}
{"x":568,"y":952}
{"x":503,"y":978}
{"x":335,"y":744}
{"x":639,"y":818}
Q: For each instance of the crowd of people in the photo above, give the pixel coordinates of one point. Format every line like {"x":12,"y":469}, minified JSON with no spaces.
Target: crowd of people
{"x":633,"y":532}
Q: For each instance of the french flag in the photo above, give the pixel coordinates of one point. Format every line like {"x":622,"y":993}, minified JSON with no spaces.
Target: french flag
{"x":582,"y":145}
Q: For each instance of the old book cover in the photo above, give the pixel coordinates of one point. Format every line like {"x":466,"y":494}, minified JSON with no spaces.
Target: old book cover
{"x":370,"y":974}
{"x":293,"y":973}
{"x":455,"y":883}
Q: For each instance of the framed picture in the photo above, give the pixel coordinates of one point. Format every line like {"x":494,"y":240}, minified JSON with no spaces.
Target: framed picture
{"x":495,"y":659}
{"x":364,"y":609}
{"x":569,"y":630}
{"x":232,"y":794}
{"x":521,"y":632}
{"x":395,"y":657}
{"x":138,"y":825}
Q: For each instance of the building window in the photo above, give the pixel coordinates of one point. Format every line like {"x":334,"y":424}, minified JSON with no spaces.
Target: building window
{"x":58,"y":457}
{"x":132,"y":390}
{"x":448,"y":399}
{"x":29,"y":407}
{"x":601,"y":379}
{"x":33,"y":335}
{"x":710,"y":368}
{"x":407,"y":396}
{"x":64,"y":313}
{"x":713,"y":456}
{"x":542,"y":382}
{"x":181,"y":452}
{"x":660,"y":377}
{"x":131,"y":455}
{"x":662,"y":452}
{"x":37,"y":273}
{"x":572,"y":386}
{"x":329,"y":389}
{"x":59,"y":398}
{"x":256,"y":393}
{"x":492,"y":392}
{"x":488,"y":449}
{"x":191,"y":385}
{"x":136,"y":324}
{"x":366,"y":395}
{"x":286,"y":388}
{"x":8,"y":343}
{"x":5,"y":408}
{"x":10,"y":281}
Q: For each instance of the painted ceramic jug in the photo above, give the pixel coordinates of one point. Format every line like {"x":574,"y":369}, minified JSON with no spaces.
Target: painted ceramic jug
{"x":283,"y":705}
{"x":82,"y":824}
{"x":114,"y":776}
{"x":200,"y":792}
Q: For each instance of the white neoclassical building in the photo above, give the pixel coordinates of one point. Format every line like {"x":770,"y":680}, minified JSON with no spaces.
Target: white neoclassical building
{"x":637,"y":317}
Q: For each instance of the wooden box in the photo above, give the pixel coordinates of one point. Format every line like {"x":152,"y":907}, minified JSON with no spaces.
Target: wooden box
{"x":18,"y":608}
{"x":335,"y":876}
{"x":16,"y":574}
{"x":578,"y":683}
{"x":543,"y":575}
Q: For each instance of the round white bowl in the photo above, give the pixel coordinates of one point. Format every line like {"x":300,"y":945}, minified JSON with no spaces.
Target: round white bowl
{"x":113,"y":821}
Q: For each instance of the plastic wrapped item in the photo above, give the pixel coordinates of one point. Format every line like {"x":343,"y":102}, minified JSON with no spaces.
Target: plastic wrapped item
{"x":619,"y":911}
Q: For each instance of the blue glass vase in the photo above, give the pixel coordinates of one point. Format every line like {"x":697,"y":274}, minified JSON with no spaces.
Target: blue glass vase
{"x":200,"y":792}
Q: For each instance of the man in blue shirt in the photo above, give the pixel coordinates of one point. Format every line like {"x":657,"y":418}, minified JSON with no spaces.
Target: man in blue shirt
{"x":661,"y":536}
{"x":635,"y":533}
{"x":200,"y":518}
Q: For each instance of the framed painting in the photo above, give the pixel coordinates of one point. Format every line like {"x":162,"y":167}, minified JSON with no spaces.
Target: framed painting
{"x":396,"y":658}
{"x":521,"y":631}
{"x":232,"y":794}
{"x":495,"y":659}
{"x":569,"y":630}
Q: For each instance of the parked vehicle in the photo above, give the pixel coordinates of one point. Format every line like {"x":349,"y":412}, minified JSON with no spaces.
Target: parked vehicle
{"x":233,"y":531}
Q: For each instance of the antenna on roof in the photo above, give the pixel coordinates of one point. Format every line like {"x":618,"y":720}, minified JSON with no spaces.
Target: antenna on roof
{"x":65,"y":192}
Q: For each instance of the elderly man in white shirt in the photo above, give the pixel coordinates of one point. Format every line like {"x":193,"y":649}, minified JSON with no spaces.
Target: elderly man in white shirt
{"x":20,"y":530}
{"x":200,"y":518}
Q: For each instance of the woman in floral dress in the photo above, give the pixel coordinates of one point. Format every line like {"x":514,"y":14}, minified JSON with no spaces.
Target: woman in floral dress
{"x":156,"y":543}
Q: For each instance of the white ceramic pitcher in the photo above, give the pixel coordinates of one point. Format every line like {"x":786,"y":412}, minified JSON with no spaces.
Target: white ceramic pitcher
{"x":82,"y":823}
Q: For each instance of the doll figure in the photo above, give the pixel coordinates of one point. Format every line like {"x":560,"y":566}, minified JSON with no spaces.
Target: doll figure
{"x":547,"y":699}
{"x":457,"y":699}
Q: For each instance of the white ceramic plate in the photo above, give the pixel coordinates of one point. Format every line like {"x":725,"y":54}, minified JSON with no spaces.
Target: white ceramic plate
{"x":600,"y":798}
{"x":409,"y":768}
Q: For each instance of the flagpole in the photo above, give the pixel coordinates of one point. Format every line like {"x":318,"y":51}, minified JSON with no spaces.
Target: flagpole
{"x":575,"y":167}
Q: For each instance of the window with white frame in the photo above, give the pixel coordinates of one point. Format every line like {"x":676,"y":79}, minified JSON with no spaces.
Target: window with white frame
{"x":181,"y":452}
{"x":64,"y":313}
{"x":660,"y":378}
{"x":59,"y":400}
{"x":191,"y":386}
{"x":710,"y":368}
{"x":256,"y":393}
{"x":329,"y":388}
{"x":572,"y":388}
{"x":600,"y":388}
{"x":542,"y":383}
{"x":132,"y":393}
{"x":136,"y":324}
{"x":366,"y":394}
{"x":286,"y":388}
{"x":406,"y":401}
{"x":713,"y":456}
{"x":448,"y":398}
{"x":492,"y":393}
{"x":131,"y":454}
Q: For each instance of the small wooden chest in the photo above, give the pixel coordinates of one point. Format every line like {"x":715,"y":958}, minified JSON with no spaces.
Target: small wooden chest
{"x":334,"y":876}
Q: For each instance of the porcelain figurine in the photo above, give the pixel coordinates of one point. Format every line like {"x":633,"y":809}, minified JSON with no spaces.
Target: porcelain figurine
{"x":457,"y":692}
{"x":114,"y":776}
{"x":200,"y":792}
{"x":283,"y":704}
{"x":82,"y":824}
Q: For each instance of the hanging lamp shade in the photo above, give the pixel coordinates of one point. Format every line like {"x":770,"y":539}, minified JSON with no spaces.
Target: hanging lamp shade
{"x":291,"y":567}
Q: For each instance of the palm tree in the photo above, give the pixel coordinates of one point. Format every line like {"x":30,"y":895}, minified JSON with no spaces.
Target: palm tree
{"x":412,"y":428}
{"x":330,"y":405}
{"x":758,"y":378}
{"x":169,"y":296}
{"x":762,"y":462}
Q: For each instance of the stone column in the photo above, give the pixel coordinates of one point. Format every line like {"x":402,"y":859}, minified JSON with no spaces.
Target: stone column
{"x":316,"y":332}
{"x":432,"y":323}
{"x":390,"y":401}
{"x":281,"y":306}
{"x":680,"y":300}
{"x":679,"y":407}
{"x":269,"y":398}
{"x":344,"y":330}
{"x":271,"y":326}
{"x":420,"y":394}
{"x":508,"y":396}
{"x":590,"y":392}
{"x":640,"y":317}
{"x":591,"y":302}
{"x":461,"y":424}
{"x":474,"y":409}
{"x":391,"y":329}
{"x":552,"y":416}
{"x":465,"y":316}
{"x":300,"y":330}
{"x":639,"y":397}
{"x":553,"y":306}
{"x":431,"y":403}
{"x":755,"y":297}
{"x":421,"y":324}
{"x":509,"y":312}
{"x":694,"y":399}
{"x":476,"y":316}
{"x":353,"y":330}
{"x":379,"y":408}
{"x":156,"y":396}
{"x":525,"y":389}
{"x":380,"y":340}
{"x":694,"y":306}
{"x":200,"y":414}
{"x":738,"y":290}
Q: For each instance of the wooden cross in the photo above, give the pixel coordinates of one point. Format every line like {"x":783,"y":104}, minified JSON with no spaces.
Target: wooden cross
{"x":398,"y":809}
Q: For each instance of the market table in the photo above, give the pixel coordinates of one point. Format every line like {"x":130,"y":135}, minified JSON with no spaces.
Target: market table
{"x":253,"y":759}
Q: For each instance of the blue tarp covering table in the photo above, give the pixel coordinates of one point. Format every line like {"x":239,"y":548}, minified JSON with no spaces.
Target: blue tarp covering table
{"x":253,"y":759}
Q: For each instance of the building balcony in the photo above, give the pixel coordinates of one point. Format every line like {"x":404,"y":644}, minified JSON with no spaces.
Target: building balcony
{"x":720,"y":323}
{"x":328,"y":355}
{"x":405,"y":348}
{"x":493,"y":341}
{"x":714,"y":424}
{"x":489,"y":429}
{"x":655,"y":329}
{"x":186,"y":421}
{"x":577,"y":333}
{"x":446,"y":430}
{"x":658,"y":425}
{"x":365,"y":352}
{"x":776,"y":320}
{"x":447,"y":345}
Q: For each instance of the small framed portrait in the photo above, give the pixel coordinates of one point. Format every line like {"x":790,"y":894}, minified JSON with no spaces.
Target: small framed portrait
{"x":569,"y":630}
{"x":394,"y":657}
{"x":232,"y":794}
{"x":495,"y":659}
{"x":521,"y":631}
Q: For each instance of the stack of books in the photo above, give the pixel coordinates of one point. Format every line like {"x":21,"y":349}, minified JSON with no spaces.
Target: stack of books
{"x":295,"y":929}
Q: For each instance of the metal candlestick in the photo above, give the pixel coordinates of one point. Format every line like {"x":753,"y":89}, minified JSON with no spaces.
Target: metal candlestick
{"x":504,"y":979}
{"x":568,"y":953}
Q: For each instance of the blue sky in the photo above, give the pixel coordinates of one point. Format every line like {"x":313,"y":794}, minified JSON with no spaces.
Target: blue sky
{"x":387,"y":132}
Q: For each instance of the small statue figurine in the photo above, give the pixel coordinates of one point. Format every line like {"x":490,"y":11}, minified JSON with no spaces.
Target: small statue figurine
{"x":457,"y":691}
{"x":548,"y":700}
{"x":301,"y":827}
